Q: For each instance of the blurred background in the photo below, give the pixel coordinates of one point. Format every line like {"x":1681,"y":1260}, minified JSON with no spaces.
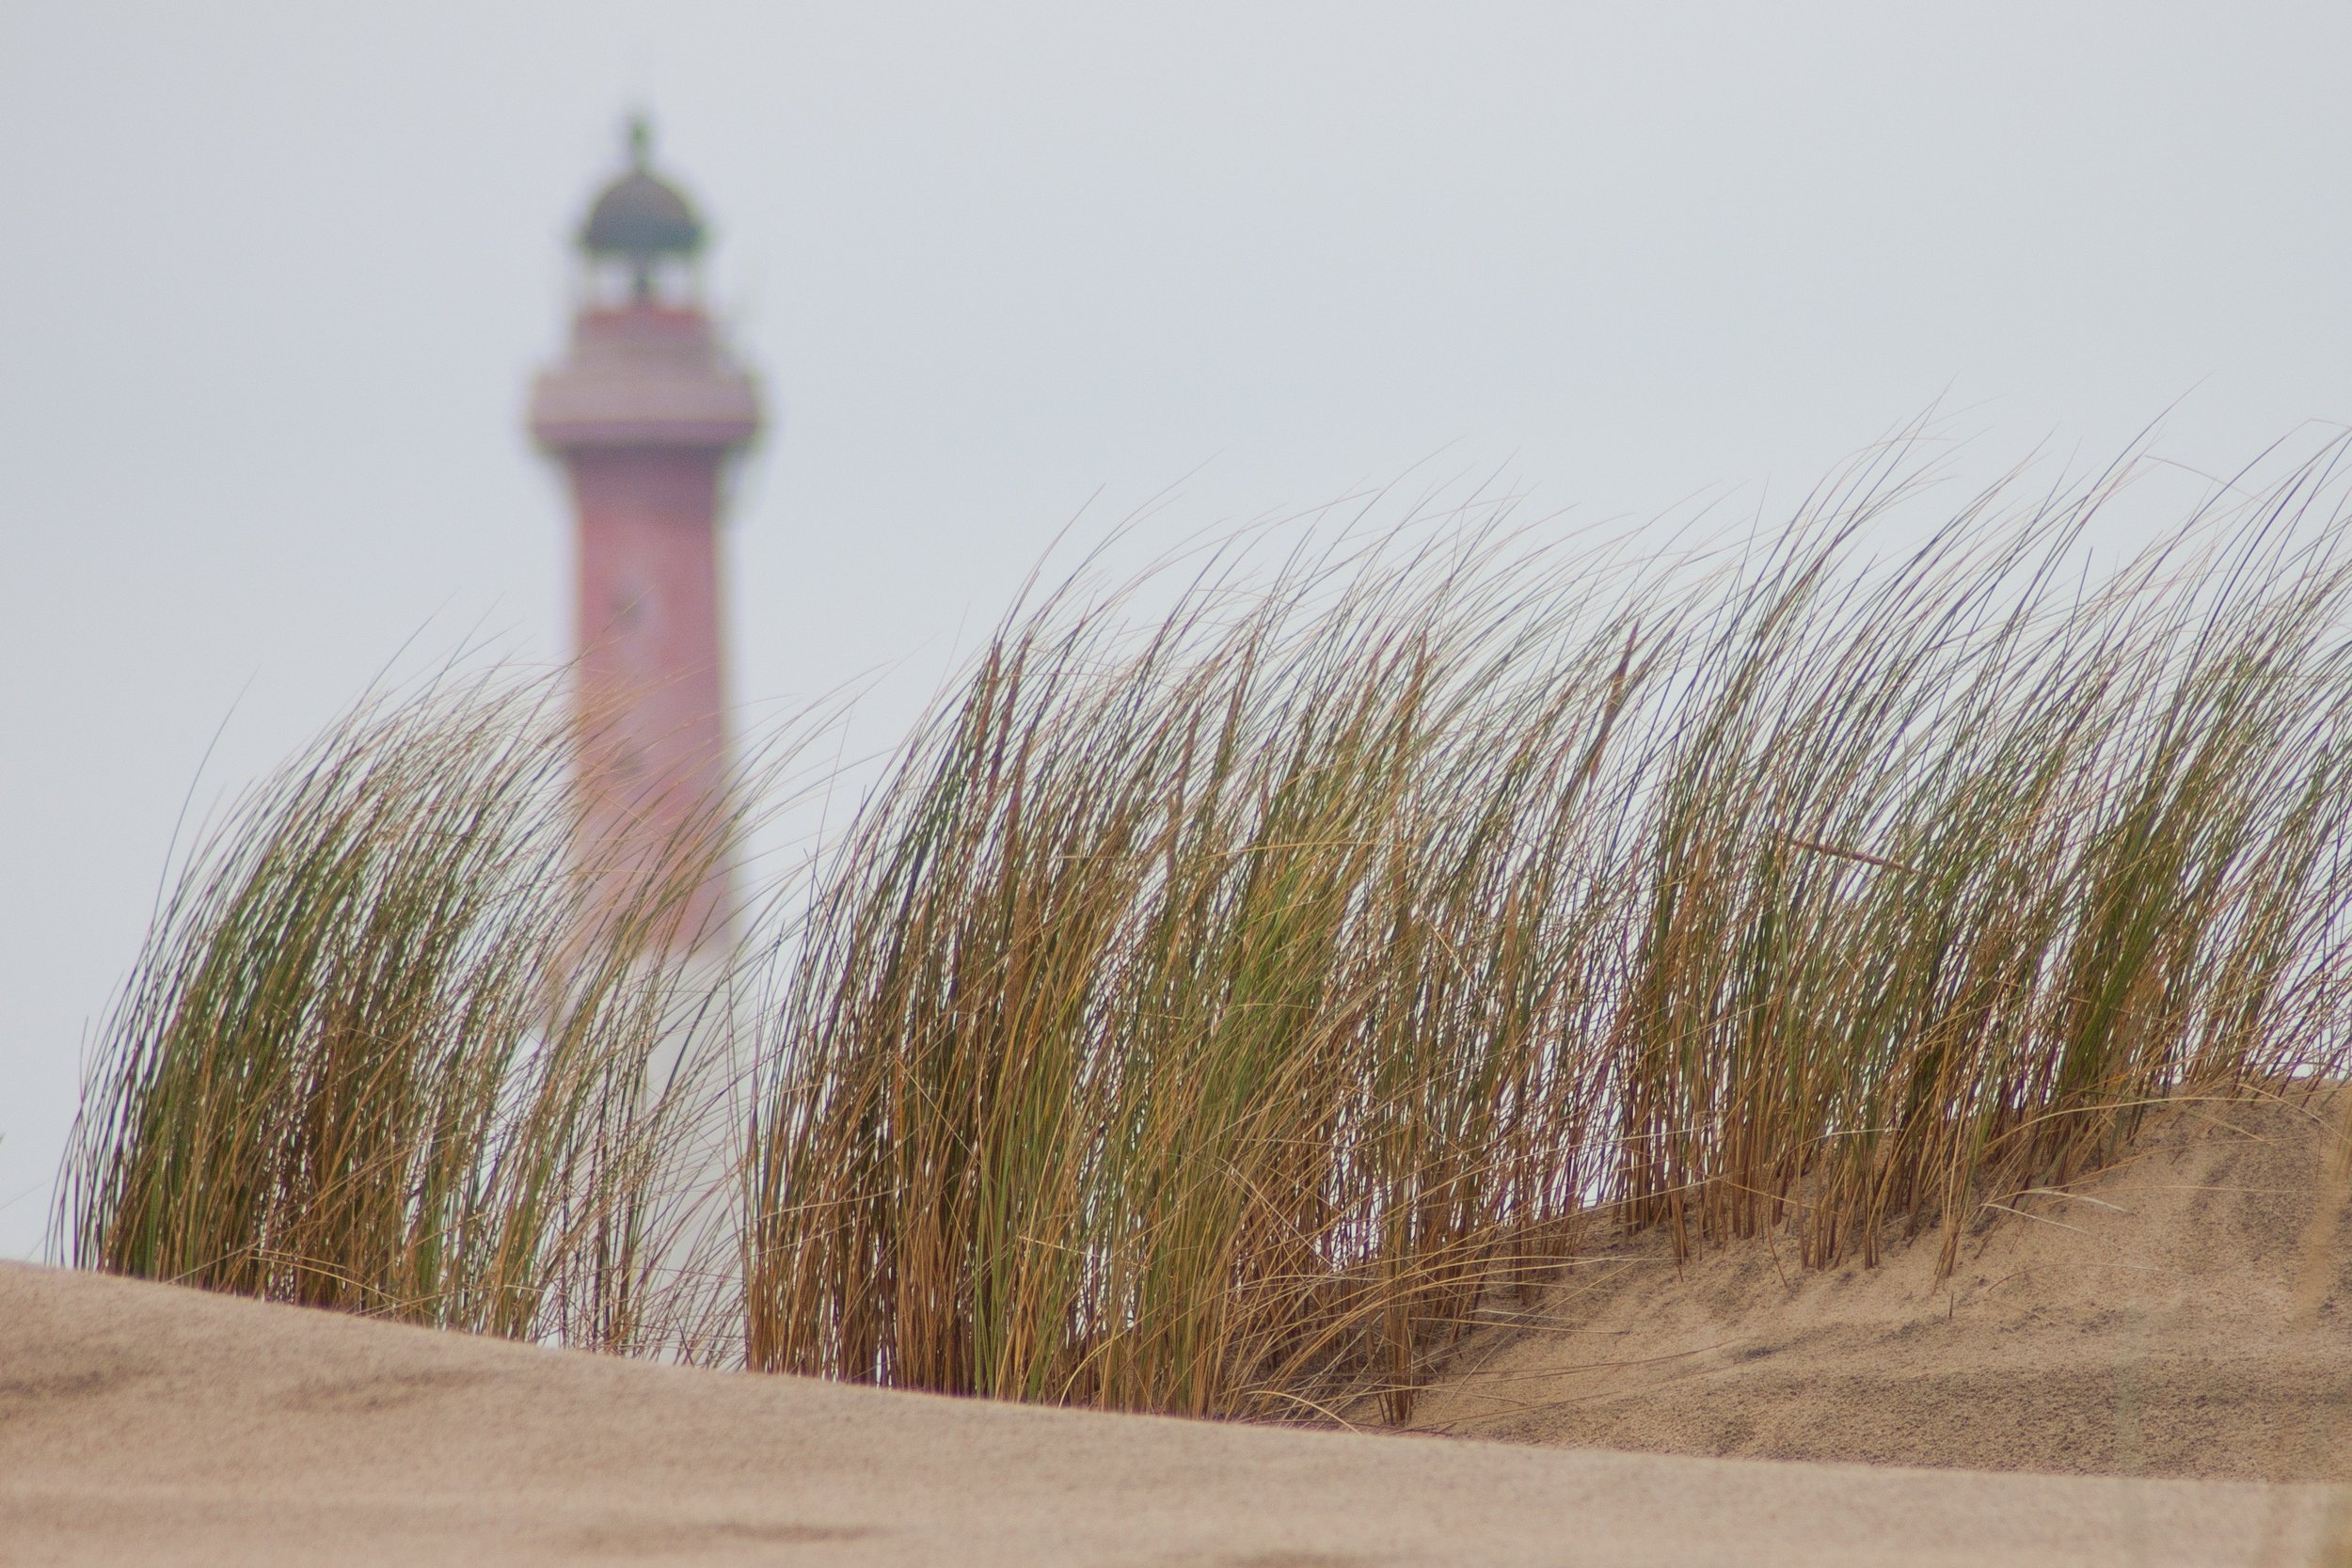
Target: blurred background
{"x":275,"y":277}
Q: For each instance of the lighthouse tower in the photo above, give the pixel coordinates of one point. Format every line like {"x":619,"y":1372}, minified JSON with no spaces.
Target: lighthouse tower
{"x":645,"y":413}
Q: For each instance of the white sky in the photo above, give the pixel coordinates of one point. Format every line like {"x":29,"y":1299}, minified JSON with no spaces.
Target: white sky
{"x":273,"y":277}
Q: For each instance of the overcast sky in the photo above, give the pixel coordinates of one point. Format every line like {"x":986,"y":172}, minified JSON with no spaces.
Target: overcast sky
{"x":272,"y":279}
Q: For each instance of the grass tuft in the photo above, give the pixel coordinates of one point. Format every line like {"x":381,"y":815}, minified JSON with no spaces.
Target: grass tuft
{"x":388,"y":1047}
{"x":1204,"y":1019}
{"x":1210,"y":1007}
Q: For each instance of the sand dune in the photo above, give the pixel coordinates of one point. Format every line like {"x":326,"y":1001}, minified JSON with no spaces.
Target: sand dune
{"x":2185,"y":1313}
{"x":144,"y":1424}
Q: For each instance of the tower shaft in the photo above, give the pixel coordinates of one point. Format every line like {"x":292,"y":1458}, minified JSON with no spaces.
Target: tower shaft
{"x":650,"y":676}
{"x":645,"y":413}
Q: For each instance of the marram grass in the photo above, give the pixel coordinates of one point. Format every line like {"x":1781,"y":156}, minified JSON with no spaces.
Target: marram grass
{"x":1207,"y":1017}
{"x":1210,"y":1010}
{"x":388,"y":1048}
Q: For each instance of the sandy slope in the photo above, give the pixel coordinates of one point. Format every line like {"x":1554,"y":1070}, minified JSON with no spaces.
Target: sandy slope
{"x":2188,"y":1313}
{"x":144,"y":1424}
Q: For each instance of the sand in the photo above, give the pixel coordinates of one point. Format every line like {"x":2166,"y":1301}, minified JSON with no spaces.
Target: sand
{"x":2187,"y":1313}
{"x":141,"y":1423}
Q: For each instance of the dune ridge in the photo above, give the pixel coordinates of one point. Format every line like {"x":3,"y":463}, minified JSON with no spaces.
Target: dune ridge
{"x":148,"y":1423}
{"x":2186,"y":1312}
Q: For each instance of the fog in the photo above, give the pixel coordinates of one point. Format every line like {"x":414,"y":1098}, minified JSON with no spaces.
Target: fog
{"x":276,"y":277}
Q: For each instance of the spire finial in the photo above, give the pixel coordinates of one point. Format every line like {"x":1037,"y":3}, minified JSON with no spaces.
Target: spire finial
{"x":640,"y":138}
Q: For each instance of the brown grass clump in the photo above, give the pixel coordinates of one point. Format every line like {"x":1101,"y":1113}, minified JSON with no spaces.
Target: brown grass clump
{"x":387,"y":1049}
{"x":1202,"y":1020}
{"x":1209,"y":1009}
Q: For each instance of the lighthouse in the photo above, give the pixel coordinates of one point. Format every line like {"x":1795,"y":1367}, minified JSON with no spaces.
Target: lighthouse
{"x":645,"y":413}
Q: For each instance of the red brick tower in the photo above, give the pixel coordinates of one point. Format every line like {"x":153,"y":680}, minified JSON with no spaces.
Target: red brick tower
{"x":645,"y":413}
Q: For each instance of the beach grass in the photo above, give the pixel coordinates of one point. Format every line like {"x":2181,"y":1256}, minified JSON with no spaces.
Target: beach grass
{"x":1245,"y":972}
{"x":1208,"y":1012}
{"x":396,"y":1045}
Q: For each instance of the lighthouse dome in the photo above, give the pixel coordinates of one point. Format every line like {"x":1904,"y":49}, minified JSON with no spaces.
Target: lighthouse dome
{"x":641,"y":215}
